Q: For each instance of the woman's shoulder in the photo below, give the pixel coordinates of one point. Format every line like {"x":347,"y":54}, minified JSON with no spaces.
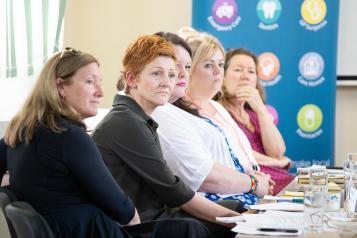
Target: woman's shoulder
{"x":69,"y":130}
{"x":220,"y":108}
{"x":70,"y":126}
{"x":174,"y":116}
{"x":170,"y":112}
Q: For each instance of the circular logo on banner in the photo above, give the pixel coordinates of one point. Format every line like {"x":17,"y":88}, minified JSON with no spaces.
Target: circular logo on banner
{"x":311,"y":66}
{"x":224,"y":11}
{"x":313,"y":11}
{"x":268,"y":66}
{"x":269,"y":11}
{"x":309,"y":118}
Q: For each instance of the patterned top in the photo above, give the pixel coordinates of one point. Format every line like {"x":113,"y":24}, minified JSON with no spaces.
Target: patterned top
{"x":245,"y":198}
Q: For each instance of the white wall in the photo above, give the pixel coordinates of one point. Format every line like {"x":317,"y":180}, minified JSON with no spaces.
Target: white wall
{"x":346,"y":122}
{"x":347,"y":47}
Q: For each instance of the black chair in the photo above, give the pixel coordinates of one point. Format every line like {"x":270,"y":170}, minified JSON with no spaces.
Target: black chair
{"x":7,"y":197}
{"x":4,"y":227}
{"x":27,"y":222}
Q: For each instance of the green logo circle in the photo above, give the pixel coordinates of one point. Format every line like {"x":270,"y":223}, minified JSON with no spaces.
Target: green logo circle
{"x":269,"y":11}
{"x":309,"y":118}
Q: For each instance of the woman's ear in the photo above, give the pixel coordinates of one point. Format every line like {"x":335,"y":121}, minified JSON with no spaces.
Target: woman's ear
{"x":60,"y":89}
{"x":131,"y":79}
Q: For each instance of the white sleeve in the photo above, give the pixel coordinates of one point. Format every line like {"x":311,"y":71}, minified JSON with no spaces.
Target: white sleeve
{"x":184,"y":149}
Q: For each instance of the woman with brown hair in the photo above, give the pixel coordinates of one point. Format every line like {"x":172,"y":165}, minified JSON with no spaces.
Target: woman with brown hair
{"x":55,"y":166}
{"x":243,"y":96}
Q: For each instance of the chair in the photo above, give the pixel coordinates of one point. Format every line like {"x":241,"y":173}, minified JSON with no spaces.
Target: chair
{"x":27,"y":222}
{"x":4,"y":227}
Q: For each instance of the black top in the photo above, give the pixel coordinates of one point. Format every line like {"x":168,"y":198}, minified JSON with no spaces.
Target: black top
{"x":130,"y":146}
{"x":63,"y":176}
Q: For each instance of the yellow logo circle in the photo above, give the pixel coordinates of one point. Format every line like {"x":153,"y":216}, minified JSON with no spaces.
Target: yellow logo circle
{"x":313,"y":11}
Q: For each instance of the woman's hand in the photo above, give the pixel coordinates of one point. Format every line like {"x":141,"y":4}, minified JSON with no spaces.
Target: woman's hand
{"x":284,"y":163}
{"x":251,"y":96}
{"x":265,"y":184}
{"x":135,"y":220}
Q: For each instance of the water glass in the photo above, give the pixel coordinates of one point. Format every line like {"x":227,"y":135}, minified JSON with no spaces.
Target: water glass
{"x":349,"y":164}
{"x":314,"y":200}
{"x":318,"y":176}
{"x":350,"y":171}
{"x":352,"y":156}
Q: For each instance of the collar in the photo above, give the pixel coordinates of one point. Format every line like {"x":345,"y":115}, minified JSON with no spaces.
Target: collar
{"x":133,"y":106}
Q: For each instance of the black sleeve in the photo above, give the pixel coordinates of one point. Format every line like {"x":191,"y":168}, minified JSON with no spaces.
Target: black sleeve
{"x":3,"y":158}
{"x":85,"y":162}
{"x":133,"y":142}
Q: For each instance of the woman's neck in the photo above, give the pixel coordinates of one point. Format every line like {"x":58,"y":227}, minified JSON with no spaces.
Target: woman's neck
{"x":198,"y":99}
{"x":147,"y":107}
{"x":235,"y":106}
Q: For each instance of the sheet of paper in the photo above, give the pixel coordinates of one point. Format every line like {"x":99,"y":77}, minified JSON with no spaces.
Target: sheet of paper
{"x":276,"y":219}
{"x":243,"y":228}
{"x":271,"y":219}
{"x":280,"y":206}
{"x":230,"y":219}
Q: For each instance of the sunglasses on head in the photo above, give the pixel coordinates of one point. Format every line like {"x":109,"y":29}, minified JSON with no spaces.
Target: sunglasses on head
{"x":70,"y":50}
{"x":64,"y":54}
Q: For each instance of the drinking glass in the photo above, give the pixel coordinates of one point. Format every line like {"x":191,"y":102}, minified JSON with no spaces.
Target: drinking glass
{"x":352,"y":156}
{"x":314,"y":200}
{"x":318,"y":176}
{"x":350,"y":173}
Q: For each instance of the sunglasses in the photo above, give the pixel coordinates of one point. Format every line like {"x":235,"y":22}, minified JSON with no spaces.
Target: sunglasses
{"x":64,"y":54}
{"x":70,"y":50}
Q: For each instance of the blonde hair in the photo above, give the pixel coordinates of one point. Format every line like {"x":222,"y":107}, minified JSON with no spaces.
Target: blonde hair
{"x":186,"y":32}
{"x":140,"y":53}
{"x":44,"y":104}
{"x":201,"y":44}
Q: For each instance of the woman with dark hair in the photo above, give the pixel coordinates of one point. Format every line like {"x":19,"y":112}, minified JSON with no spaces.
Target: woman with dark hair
{"x":244,"y":98}
{"x":193,"y":149}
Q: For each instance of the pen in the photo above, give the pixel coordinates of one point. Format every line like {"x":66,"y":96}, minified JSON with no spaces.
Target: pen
{"x":278,"y":230}
{"x":294,"y":200}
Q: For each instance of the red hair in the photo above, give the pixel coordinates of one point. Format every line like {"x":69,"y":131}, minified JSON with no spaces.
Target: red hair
{"x":141,"y":52}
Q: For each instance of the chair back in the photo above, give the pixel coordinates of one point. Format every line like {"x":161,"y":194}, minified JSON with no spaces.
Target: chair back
{"x":4,"y":227}
{"x":27,"y":222}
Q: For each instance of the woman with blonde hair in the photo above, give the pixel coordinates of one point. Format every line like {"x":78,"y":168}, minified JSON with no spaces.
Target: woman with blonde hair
{"x":193,"y":149}
{"x":55,"y":166}
{"x":206,"y":78}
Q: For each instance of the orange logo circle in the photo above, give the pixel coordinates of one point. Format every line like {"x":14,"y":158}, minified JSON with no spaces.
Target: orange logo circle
{"x":268,"y":66}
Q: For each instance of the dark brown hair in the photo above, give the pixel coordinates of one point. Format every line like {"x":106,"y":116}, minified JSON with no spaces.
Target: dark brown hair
{"x":177,"y":40}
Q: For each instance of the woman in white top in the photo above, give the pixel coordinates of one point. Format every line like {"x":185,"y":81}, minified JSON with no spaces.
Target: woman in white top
{"x":195,"y":150}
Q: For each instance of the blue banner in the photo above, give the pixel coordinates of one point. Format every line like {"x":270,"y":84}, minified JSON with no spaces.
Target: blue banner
{"x":296,"y":42}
